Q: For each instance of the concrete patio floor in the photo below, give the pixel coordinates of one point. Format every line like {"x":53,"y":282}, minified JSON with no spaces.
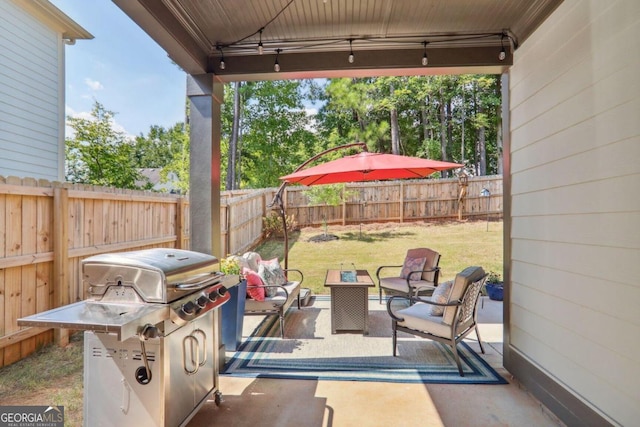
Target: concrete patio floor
{"x":275,"y":402}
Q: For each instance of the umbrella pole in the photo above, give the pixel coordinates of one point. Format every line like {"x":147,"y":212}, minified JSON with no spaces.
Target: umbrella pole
{"x":286,"y":235}
{"x":277,"y":198}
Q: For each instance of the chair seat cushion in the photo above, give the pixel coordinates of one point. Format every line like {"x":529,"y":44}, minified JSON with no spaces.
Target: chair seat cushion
{"x":399,"y":284}
{"x":275,"y":302}
{"x":418,"y":317}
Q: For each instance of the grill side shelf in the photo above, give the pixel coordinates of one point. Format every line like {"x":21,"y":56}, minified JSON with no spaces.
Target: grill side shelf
{"x":120,"y":319}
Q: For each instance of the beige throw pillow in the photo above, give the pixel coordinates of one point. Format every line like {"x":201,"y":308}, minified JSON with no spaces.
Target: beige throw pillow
{"x":440,"y":295}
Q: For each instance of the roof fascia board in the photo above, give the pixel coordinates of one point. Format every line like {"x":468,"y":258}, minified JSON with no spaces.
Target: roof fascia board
{"x":54,"y":18}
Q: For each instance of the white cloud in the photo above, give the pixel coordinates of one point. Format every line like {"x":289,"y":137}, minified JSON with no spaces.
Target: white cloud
{"x":93,"y":84}
{"x":69,"y":132}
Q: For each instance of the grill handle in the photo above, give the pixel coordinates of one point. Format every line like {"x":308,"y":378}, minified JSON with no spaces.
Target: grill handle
{"x":194,"y":354}
{"x":203,"y":359}
{"x":147,"y":331}
{"x":201,"y":280}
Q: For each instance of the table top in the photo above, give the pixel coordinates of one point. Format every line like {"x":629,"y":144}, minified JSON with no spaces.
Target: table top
{"x":362,"y":279}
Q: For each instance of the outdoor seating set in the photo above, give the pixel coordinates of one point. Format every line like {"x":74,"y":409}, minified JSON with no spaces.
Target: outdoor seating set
{"x":444,"y":312}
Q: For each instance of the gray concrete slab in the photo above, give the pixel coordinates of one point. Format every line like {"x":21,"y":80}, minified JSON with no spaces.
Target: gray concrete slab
{"x":271,"y":402}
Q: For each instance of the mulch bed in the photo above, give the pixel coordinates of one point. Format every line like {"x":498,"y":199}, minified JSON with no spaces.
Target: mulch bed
{"x":323,"y":238}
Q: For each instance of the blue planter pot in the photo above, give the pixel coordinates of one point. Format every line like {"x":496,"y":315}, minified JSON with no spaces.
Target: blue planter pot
{"x":495,"y":291}
{"x":233,"y":315}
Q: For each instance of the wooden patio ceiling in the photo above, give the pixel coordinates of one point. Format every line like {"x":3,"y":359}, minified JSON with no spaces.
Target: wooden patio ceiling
{"x":314,"y":38}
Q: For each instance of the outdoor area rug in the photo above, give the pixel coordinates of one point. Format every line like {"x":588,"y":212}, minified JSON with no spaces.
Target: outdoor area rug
{"x":310,"y":351}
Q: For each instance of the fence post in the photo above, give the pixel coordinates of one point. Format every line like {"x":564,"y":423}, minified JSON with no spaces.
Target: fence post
{"x":401,"y":202}
{"x":60,"y":256}
{"x":227,"y":221}
{"x":180,"y":223}
{"x":344,"y":206}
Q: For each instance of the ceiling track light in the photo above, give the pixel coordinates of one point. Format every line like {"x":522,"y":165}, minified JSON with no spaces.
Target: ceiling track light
{"x":503,"y":53}
{"x":351,"y":55}
{"x":425,"y":58}
{"x":260,"y":46}
{"x":276,"y":65}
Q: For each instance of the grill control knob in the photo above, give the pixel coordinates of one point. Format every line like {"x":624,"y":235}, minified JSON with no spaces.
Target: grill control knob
{"x":189,"y":308}
{"x":220,"y":292}
{"x":202,"y":301}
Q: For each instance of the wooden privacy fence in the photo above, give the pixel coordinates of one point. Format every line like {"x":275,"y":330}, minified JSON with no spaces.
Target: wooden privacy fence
{"x":241,"y":214}
{"x":47,"y":229}
{"x":408,"y":200}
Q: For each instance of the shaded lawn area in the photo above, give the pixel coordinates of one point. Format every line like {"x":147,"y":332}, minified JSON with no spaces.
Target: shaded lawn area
{"x":461,"y":244}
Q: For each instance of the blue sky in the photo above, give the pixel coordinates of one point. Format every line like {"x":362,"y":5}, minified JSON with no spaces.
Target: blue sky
{"x":122,"y":68}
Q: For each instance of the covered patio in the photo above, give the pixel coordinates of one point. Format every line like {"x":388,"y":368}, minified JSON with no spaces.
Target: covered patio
{"x":286,"y":402}
{"x":570,"y":99}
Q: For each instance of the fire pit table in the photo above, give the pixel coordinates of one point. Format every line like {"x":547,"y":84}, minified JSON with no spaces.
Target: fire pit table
{"x":349,"y":299}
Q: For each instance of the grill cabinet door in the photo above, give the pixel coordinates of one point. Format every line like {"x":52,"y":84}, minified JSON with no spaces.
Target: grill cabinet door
{"x":191,"y":375}
{"x":112,"y":396}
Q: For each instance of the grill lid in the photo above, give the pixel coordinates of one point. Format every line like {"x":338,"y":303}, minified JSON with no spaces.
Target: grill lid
{"x":157,"y":275}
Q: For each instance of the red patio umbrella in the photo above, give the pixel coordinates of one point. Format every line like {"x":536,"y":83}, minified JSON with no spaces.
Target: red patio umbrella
{"x":363,"y":166}
{"x":368,"y":167}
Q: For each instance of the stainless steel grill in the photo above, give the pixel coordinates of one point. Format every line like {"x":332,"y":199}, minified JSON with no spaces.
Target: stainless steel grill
{"x":150,"y":340}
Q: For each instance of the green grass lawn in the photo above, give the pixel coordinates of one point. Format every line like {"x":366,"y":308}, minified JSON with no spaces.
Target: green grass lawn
{"x":461,"y":244}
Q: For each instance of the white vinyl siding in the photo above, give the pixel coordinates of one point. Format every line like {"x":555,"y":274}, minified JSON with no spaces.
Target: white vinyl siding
{"x":29,"y":96}
{"x":575,"y":174}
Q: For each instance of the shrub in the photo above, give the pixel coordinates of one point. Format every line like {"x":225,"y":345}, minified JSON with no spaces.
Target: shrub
{"x":273,"y":224}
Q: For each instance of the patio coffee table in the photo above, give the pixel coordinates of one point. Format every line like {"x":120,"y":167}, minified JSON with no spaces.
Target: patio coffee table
{"x":349,"y":299}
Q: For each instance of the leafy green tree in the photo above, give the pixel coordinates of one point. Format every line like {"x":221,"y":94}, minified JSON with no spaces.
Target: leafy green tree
{"x":159,"y":146}
{"x":352,"y":114}
{"x":177,"y":165}
{"x":329,"y":194}
{"x":99,"y":155}
{"x":167,"y":150}
{"x":452,"y":118}
{"x":267,"y":133}
{"x":234,"y":139}
{"x":276,"y":132}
